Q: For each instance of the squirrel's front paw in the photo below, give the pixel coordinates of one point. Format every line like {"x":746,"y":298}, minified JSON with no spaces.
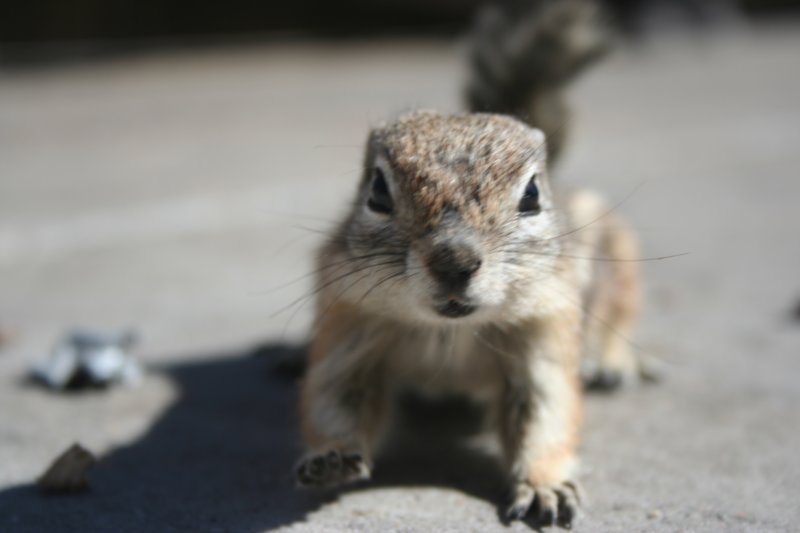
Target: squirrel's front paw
{"x":331,"y":469}
{"x":546,"y":506}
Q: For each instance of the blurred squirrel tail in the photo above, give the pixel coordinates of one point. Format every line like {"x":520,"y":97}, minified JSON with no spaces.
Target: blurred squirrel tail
{"x":525,"y":52}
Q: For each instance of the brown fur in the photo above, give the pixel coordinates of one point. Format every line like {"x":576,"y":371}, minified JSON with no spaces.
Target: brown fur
{"x":459,"y":179}
{"x":465,"y":176}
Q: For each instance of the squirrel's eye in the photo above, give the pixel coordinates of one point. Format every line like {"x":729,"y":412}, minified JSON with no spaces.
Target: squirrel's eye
{"x":379,"y":200}
{"x":529,"y":205}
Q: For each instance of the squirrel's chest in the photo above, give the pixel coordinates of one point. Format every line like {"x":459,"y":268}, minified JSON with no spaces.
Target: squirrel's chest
{"x":450,"y":360}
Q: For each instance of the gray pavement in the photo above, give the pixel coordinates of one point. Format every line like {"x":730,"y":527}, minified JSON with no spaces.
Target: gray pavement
{"x":182,"y":194}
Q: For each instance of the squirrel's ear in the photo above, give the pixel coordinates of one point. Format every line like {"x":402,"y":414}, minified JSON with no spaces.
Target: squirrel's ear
{"x":540,"y":140}
{"x":371,"y":149}
{"x":373,"y":139}
{"x":537,"y":135}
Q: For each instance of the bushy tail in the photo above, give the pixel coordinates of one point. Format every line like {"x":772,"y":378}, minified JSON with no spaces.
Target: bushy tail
{"x":524,"y":54}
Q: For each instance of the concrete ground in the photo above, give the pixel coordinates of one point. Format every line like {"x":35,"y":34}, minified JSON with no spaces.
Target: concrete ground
{"x":181,"y":194}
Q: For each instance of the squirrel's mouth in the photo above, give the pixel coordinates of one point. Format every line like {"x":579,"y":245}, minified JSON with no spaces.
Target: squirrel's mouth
{"x":455,"y":309}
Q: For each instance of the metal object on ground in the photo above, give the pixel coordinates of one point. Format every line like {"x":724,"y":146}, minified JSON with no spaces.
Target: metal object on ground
{"x":87,"y":358}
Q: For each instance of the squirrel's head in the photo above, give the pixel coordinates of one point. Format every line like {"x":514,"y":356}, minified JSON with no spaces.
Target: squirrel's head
{"x":454,"y":218}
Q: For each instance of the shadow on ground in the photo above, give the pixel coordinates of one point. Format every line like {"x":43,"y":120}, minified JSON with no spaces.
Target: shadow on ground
{"x":221,"y":459}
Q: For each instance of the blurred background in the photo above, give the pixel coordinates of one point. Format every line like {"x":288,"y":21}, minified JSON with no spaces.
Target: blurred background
{"x":99,"y":24}
{"x":168,"y":167}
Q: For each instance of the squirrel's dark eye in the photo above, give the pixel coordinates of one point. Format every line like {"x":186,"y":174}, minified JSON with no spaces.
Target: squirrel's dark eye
{"x":529,"y":205}
{"x":379,"y":200}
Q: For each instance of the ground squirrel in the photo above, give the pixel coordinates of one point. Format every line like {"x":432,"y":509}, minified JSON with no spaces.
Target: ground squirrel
{"x":460,"y":269}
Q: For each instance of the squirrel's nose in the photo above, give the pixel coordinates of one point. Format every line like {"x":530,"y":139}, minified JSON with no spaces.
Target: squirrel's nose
{"x":454,"y":263}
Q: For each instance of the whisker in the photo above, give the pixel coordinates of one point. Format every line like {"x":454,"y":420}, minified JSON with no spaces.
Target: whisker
{"x":304,"y":216}
{"x":323,"y":268}
{"x":379,"y":283}
{"x":602,"y":216}
{"x":600,"y":259}
{"x":344,"y":291}
{"x":607,"y":325}
{"x":311,"y":230}
{"x":331,"y":282}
